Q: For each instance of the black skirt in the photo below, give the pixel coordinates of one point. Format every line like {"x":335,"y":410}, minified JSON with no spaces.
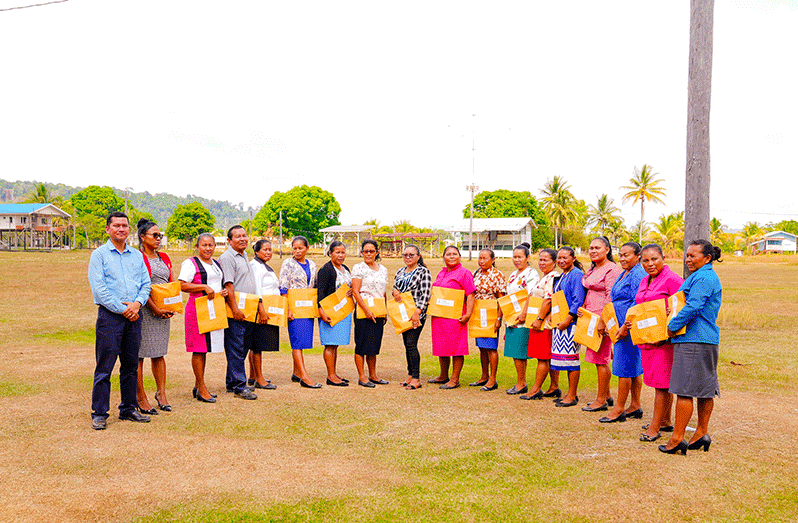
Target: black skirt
{"x":368,"y":336}
{"x":265,"y":338}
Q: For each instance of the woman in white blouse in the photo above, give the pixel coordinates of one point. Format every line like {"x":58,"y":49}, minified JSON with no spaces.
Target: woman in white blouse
{"x":516,"y":338}
{"x":266,"y":337}
{"x":369,"y":280}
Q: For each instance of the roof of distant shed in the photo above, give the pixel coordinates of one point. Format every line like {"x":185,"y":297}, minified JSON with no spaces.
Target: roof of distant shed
{"x":347,"y":228}
{"x":494,"y":224}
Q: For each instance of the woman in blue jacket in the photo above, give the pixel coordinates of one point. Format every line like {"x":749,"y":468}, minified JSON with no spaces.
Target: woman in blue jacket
{"x":564,"y":352}
{"x":695,"y":353}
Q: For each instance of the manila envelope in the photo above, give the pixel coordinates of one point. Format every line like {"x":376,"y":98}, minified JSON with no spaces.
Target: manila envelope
{"x":248,"y":304}
{"x":400,"y":313}
{"x":512,"y":305}
{"x":338,"y":305}
{"x":586,"y":331}
{"x":375,"y":305}
{"x":559,"y":308}
{"x":446,"y":303}
{"x":209,"y":313}
{"x":303,"y":303}
{"x":676,"y":302}
{"x":482,"y":323}
{"x":610,"y":321}
{"x":167,"y":296}
{"x":533,"y":311}
{"x":649,"y":322}
{"x":276,"y":307}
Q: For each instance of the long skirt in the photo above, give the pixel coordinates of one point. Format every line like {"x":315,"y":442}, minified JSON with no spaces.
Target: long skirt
{"x":657,"y":362}
{"x":539,"y":346}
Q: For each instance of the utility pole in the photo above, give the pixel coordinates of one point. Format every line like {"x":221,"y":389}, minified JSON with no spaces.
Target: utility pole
{"x":699,"y":90}
{"x":473,"y":188}
{"x":281,"y":234}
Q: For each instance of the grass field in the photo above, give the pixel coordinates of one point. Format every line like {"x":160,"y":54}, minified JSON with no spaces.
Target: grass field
{"x":384,"y":454}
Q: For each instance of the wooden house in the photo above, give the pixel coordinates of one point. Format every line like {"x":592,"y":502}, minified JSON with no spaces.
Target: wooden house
{"x":36,"y":226}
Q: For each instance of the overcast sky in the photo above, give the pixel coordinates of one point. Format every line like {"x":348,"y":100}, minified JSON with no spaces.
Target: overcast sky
{"x":378,"y":102}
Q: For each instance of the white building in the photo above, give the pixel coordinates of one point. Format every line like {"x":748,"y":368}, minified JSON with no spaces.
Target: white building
{"x":776,"y":242}
{"x":498,"y":234}
{"x":32,"y":226}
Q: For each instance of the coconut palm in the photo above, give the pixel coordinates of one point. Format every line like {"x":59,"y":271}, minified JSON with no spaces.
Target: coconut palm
{"x":42,"y":194}
{"x":403,"y":226}
{"x":717,"y":234}
{"x":375,"y":224}
{"x":602,"y":214}
{"x":669,"y":230}
{"x":558,"y":204}
{"x":751,"y":233}
{"x":644,"y":186}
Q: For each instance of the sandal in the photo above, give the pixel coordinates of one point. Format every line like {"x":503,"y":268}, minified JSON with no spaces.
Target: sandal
{"x":412,"y":387}
{"x":165,"y":407}
{"x":646,"y":437}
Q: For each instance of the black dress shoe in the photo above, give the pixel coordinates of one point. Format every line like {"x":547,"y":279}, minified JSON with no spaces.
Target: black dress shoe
{"x":379,"y":381}
{"x":619,"y":419}
{"x":513,"y":390}
{"x":485,"y":388}
{"x":681,"y":447}
{"x":194,"y":393}
{"x":704,"y":441}
{"x":556,"y":393}
{"x":597,"y":409}
{"x":560,"y":403}
{"x":295,"y":378}
{"x":436,"y":380}
{"x":250,"y":382}
{"x":536,"y":396}
{"x":367,"y":384}
{"x":151,"y":412}
{"x":309,"y":386}
{"x":333,"y":384}
{"x":635,"y":414}
{"x":209,"y":400}
{"x":245,"y":388}
{"x":478,"y":383}
{"x":268,"y":386}
{"x":98,"y":423}
{"x":135,"y":416}
{"x":446,"y":386}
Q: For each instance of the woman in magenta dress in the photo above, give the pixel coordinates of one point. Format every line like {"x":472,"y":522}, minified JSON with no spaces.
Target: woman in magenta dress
{"x":450,"y":336}
{"x":660,"y":283}
{"x":598,"y":284}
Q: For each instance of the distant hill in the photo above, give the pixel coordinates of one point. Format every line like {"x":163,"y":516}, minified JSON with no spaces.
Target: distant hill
{"x":159,"y":205}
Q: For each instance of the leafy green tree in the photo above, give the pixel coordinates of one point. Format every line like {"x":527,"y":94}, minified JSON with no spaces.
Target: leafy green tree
{"x":604,"y":213}
{"x":189,"y":221}
{"x":97,"y":201}
{"x":306,"y":209}
{"x":790,"y":226}
{"x":558,"y":202}
{"x":644,"y":186}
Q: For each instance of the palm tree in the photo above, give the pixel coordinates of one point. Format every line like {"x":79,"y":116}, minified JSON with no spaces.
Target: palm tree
{"x":615,"y":230}
{"x":644,"y":186}
{"x":669,"y":230}
{"x":751,"y":232}
{"x":558,"y":204}
{"x":717,"y":234}
{"x":403,"y":226}
{"x":603,"y":214}
{"x":375,"y":224}
{"x":42,"y":194}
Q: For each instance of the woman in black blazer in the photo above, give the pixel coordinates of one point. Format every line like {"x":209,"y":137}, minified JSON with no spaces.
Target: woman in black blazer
{"x":331,"y":276}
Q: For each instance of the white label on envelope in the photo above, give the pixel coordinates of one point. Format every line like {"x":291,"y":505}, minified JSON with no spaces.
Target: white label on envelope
{"x":532,"y":310}
{"x":555,"y":309}
{"x":445,"y":303}
{"x":242,"y":300}
{"x":611,"y":323}
{"x":211,"y":310}
{"x":591,"y":327}
{"x":674,"y":306}
{"x":370,"y":302}
{"x":514,"y":301}
{"x":172,"y":300}
{"x":403,"y":312}
{"x":340,"y":305}
{"x":303,"y":303}
{"x":279,"y":311}
{"x":483,"y":318}
{"x":644,"y":324}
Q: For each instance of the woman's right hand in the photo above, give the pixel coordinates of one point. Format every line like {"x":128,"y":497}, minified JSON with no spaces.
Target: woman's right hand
{"x":290,"y":315}
{"x":566,"y":323}
{"x":397,"y":296}
{"x":323,"y":315}
{"x":537,"y":324}
{"x":210,"y":293}
{"x":623,"y":331}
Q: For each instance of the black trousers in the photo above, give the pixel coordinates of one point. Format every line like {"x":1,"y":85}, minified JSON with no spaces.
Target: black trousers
{"x":410,"y":339}
{"x":120,"y":338}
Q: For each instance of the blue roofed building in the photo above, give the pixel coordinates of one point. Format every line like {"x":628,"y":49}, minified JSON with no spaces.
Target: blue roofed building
{"x":38,"y":226}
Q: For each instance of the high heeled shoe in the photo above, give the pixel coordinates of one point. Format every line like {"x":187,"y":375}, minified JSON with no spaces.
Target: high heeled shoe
{"x":704,"y":441}
{"x":151,"y":412}
{"x":635,"y":414}
{"x":556,"y":393}
{"x":163,"y":406}
{"x":194,"y":393}
{"x":681,"y":447}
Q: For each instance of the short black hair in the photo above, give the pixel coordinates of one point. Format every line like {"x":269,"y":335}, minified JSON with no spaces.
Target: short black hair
{"x":115,"y":214}
{"x":231,"y":229}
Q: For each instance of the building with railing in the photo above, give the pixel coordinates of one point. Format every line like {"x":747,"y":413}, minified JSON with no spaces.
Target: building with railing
{"x":33,"y":226}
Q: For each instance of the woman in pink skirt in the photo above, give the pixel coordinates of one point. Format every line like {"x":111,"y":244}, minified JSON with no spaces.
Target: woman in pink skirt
{"x":657,"y":359}
{"x":450,"y":336}
{"x":598,"y":284}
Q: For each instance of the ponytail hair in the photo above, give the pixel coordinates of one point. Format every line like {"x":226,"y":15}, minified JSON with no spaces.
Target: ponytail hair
{"x":418,"y":251}
{"x":523,"y":247}
{"x":376,"y":247}
{"x":606,"y":242}
{"x":654,"y":246}
{"x":635,"y":247}
{"x":708,"y":249}
{"x":577,"y":263}
{"x":258,"y":246}
{"x":551,"y":252}
{"x":142,"y":227}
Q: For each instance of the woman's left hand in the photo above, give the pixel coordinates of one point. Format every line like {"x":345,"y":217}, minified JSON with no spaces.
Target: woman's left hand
{"x":463,"y":319}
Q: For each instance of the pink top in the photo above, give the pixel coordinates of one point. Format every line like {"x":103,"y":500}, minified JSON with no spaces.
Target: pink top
{"x":664,"y":284}
{"x":598,"y":283}
{"x":457,"y":278}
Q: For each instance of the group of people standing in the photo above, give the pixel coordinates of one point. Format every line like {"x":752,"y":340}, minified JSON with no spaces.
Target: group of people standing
{"x":684,"y":365}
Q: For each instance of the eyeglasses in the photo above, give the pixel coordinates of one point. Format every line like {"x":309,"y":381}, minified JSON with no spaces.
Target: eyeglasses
{"x":408,"y":255}
{"x":369,"y":252}
{"x":157,"y":235}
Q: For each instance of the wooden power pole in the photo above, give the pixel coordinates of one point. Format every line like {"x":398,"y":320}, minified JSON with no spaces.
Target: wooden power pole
{"x":699,"y":90}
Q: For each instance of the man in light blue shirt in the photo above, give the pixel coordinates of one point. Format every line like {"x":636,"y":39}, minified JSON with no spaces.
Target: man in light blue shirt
{"x":120,"y":284}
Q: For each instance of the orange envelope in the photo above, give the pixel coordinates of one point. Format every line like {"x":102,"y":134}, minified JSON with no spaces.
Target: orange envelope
{"x":375,"y":305}
{"x":276,"y":307}
{"x":533,"y":311}
{"x":248,"y":304}
{"x":338,"y":305}
{"x":446,"y":303}
{"x":649,"y":322}
{"x":610,"y":321}
{"x":586,"y":331}
{"x":303,"y":303}
{"x":209,"y":313}
{"x":482,"y":323}
{"x":559,"y":308}
{"x":400,"y":313}
{"x":167,"y":296}
{"x":676,"y":302}
{"x":512,"y":305}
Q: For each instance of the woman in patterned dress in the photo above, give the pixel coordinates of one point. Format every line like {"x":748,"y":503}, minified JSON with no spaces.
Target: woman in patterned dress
{"x":564,"y":352}
{"x":416,"y":279}
{"x":369,"y":280}
{"x":201,"y":276}
{"x":516,"y":338}
{"x":491,"y":285}
{"x":155,"y":322}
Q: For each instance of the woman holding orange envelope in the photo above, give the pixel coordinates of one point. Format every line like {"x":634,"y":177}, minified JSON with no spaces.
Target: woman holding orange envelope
{"x":265,"y":337}
{"x":369,"y":280}
{"x":564,"y":352}
{"x":201,"y":276}
{"x":416,"y":279}
{"x":516,"y":337}
{"x":333,"y":275}
{"x":626,"y":358}
{"x":450,"y":335}
{"x":657,"y":358}
{"x":490,"y":284}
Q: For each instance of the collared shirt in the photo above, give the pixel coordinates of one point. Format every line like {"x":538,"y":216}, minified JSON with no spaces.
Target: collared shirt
{"x":418,"y":282}
{"x":236,"y":269}
{"x":265,"y":278}
{"x":490,"y":285}
{"x":118,"y":276}
{"x":703,"y":295}
{"x":571,"y":285}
